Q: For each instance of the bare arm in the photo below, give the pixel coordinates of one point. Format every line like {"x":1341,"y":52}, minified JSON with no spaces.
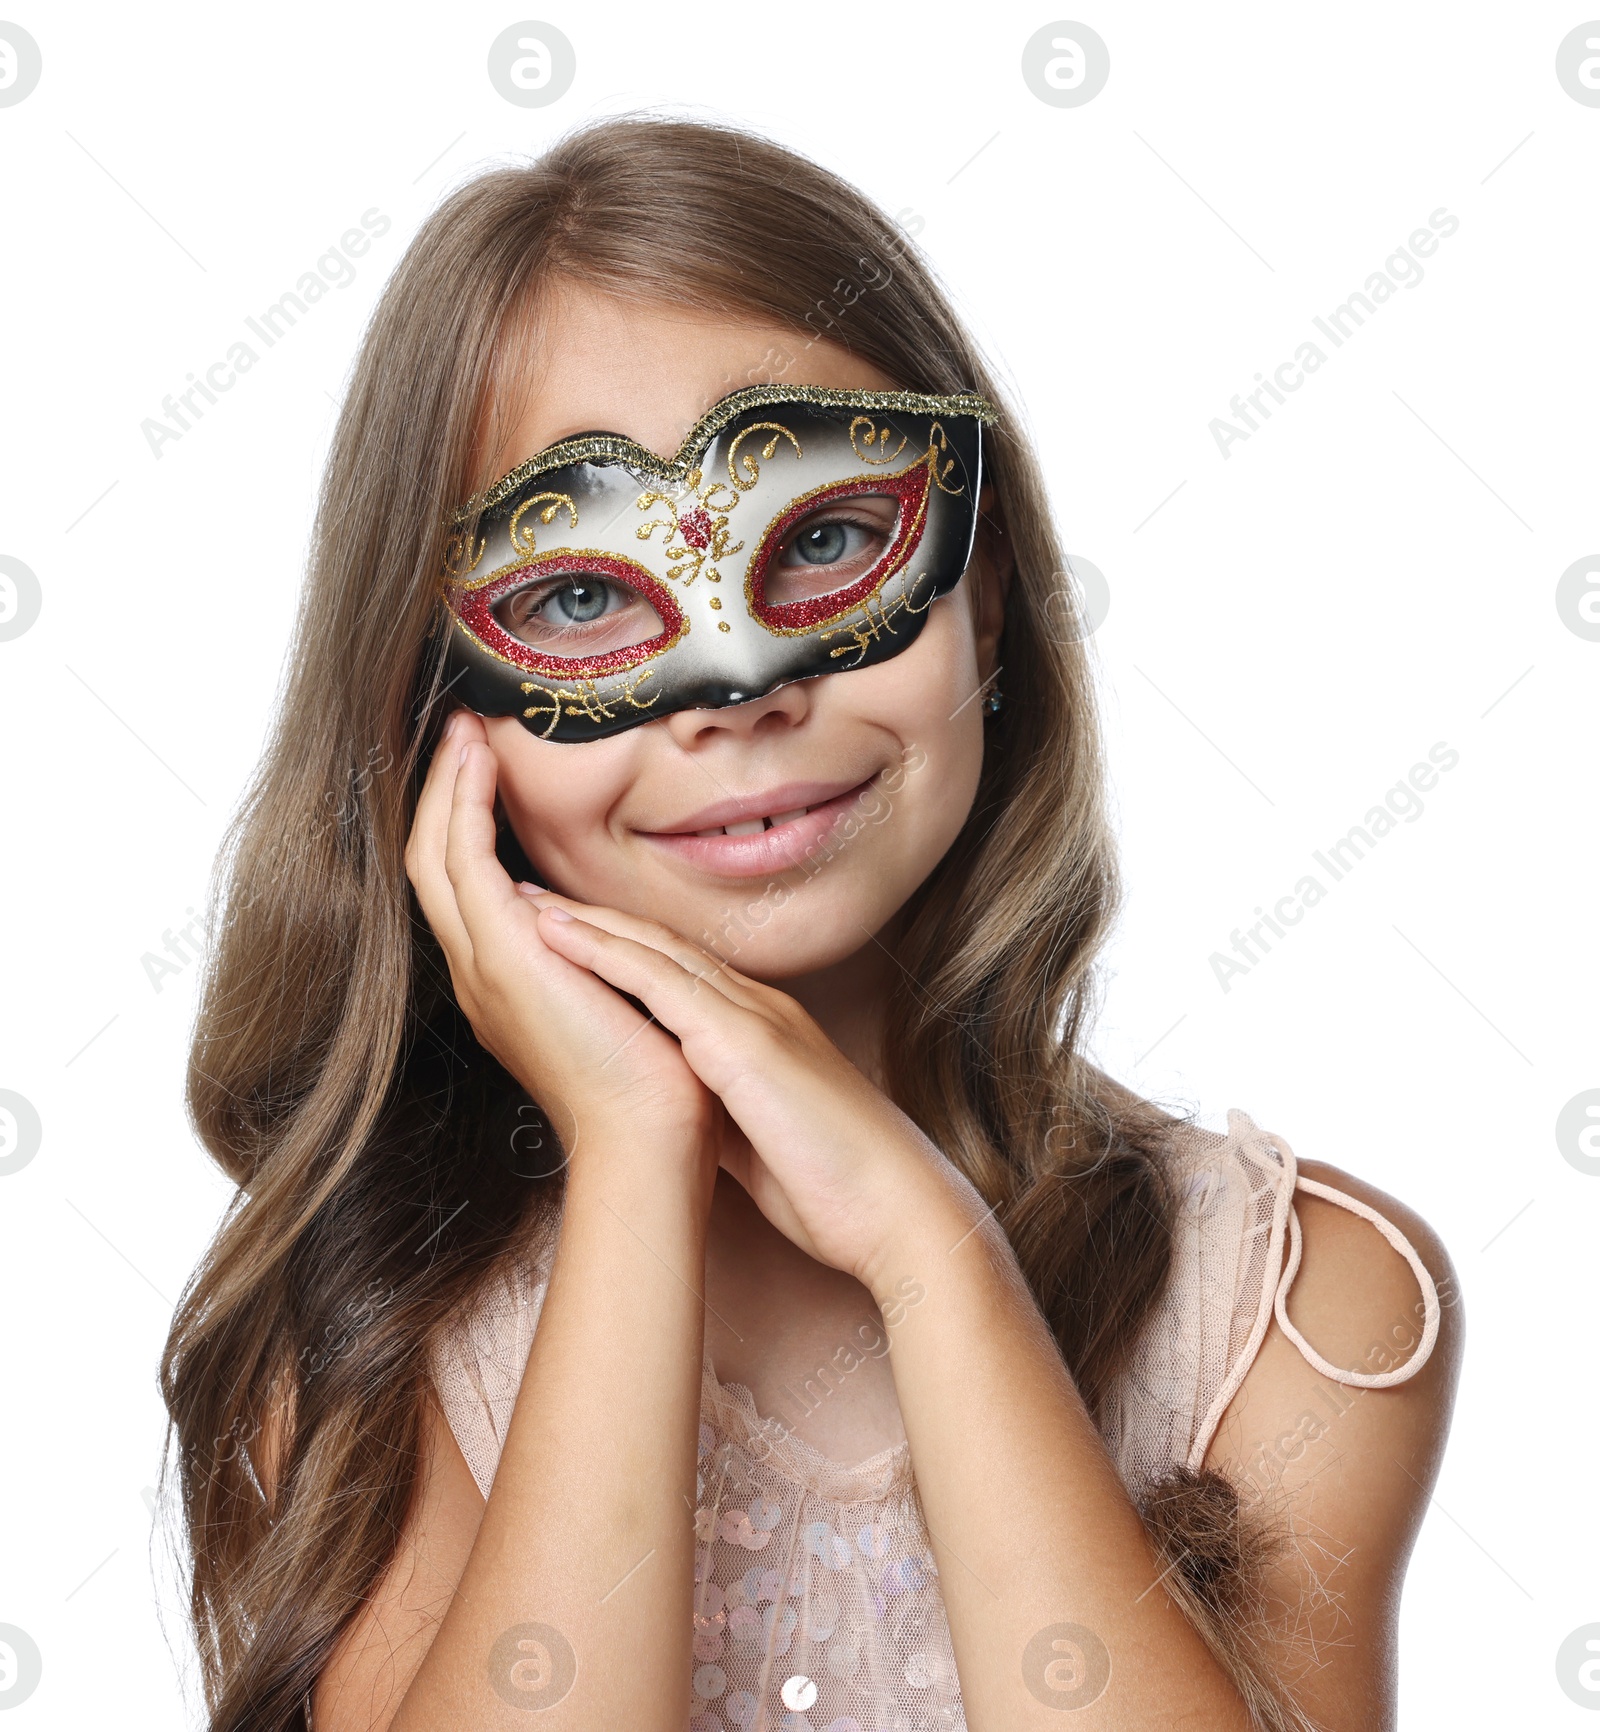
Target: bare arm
{"x":569,"y":1591}
{"x":1033,"y":1527}
{"x":1049,"y":1580}
{"x":1347,"y":1472}
{"x":585,"y":1545}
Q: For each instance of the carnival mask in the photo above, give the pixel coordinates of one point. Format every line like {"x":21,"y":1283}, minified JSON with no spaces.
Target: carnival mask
{"x":798,"y":531}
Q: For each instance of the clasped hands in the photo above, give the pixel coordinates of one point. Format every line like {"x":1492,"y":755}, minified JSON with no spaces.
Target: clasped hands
{"x":824,"y":1154}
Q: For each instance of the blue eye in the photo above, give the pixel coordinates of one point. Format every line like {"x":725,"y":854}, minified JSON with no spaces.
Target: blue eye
{"x":578,"y":613}
{"x":577,"y":602}
{"x":826,"y":544}
{"x":832,"y":548}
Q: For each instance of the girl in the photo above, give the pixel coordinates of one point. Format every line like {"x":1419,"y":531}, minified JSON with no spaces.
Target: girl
{"x":685,"y":1269}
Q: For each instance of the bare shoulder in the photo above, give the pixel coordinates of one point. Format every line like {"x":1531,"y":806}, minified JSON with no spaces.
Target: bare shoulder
{"x":1427,"y":1243}
{"x":1359,"y":1291}
{"x":1345,"y":1471}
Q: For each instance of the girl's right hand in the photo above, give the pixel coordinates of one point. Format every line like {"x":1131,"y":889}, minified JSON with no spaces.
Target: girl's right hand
{"x":591,"y":1061}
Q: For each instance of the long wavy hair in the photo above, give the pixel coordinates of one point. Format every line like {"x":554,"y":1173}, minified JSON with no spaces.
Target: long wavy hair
{"x":386,"y":1165}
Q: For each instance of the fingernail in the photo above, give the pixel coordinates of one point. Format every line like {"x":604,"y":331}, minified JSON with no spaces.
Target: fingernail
{"x":462,"y":758}
{"x":556,"y":913}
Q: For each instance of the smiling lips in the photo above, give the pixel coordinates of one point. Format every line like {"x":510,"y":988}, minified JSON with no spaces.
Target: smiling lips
{"x":749,"y":837}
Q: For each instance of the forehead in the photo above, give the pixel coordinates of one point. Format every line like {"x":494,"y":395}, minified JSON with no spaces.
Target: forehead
{"x":581,"y":359}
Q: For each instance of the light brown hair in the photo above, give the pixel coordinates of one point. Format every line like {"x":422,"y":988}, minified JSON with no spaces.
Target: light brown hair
{"x":381,"y":1155}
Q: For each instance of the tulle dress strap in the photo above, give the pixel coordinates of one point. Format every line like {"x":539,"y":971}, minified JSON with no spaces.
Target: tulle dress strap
{"x":1229,"y":1281}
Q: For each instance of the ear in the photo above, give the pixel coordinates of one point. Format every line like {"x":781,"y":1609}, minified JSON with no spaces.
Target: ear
{"x":993,"y":565}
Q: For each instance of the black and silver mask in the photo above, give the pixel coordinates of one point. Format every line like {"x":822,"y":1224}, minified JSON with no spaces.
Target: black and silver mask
{"x":798,"y":531}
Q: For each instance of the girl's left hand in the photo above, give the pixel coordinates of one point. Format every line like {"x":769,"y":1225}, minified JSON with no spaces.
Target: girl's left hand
{"x":831,"y":1161}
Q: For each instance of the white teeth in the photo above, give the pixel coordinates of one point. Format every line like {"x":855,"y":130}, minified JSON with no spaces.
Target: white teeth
{"x":754,"y":826}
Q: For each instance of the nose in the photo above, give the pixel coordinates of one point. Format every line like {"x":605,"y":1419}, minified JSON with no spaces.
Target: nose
{"x":727,"y":713}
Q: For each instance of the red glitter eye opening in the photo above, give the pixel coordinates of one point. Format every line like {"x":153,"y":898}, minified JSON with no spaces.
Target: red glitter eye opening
{"x":474,"y":607}
{"x":909,"y":489}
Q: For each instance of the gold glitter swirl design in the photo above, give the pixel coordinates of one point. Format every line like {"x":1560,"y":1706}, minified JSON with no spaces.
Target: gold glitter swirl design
{"x":582,"y":698}
{"x":459,"y":557}
{"x":712,"y":501}
{"x":617,"y":448}
{"x":689,"y":560}
{"x":875,"y":620}
{"x":875,"y":435}
{"x":747,"y":463}
{"x":522,"y":539}
{"x":938,"y":437}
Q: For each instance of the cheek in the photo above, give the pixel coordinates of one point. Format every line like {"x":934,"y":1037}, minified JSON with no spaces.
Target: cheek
{"x":939,"y":715}
{"x":558,"y":796}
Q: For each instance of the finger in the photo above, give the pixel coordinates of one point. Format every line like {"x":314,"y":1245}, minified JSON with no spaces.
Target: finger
{"x":483,"y":889}
{"x":490,"y":909}
{"x":717,"y":1034}
{"x":694,"y":958}
{"x":430,"y":828}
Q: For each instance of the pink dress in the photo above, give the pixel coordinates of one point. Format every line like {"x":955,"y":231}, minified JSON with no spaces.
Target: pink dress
{"x":817,"y":1602}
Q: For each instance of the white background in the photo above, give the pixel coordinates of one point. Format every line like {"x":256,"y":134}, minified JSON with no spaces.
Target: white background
{"x":1291,"y":628}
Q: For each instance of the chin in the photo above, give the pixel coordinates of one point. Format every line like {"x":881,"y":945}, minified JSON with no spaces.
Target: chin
{"x":791,"y":941}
